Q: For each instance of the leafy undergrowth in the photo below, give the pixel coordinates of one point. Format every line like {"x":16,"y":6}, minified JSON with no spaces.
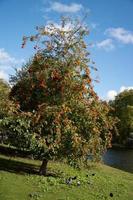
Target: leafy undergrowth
{"x":19,"y":180}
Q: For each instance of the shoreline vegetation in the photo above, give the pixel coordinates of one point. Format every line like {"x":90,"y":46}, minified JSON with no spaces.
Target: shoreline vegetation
{"x":19,"y":179}
{"x":119,"y":146}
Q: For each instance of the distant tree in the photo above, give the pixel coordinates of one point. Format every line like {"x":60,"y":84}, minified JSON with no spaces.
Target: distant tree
{"x":4,"y":101}
{"x":123,"y":109}
{"x":67,"y":119}
{"x":4,"y":92}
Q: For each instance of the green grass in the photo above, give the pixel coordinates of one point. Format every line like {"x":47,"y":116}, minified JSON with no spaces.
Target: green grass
{"x":19,"y":181}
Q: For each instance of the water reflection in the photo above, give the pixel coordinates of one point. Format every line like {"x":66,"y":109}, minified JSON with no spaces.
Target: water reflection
{"x":119,"y":158}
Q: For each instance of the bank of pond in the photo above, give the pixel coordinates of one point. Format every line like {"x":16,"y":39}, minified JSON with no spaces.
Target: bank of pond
{"x":119,"y":157}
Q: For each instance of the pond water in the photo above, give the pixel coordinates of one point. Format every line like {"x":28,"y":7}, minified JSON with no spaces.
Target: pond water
{"x":119,"y":158}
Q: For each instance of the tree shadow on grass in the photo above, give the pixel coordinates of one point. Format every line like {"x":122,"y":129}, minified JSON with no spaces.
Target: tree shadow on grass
{"x":13,"y":166}
{"x":18,"y":167}
{"x":12,"y":151}
{"x":7,"y":163}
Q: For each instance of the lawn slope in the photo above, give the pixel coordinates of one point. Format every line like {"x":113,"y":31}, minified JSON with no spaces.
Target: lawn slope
{"x":19,"y":181}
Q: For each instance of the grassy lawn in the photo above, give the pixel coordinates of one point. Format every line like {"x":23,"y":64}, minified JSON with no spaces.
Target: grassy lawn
{"x":19,"y":181}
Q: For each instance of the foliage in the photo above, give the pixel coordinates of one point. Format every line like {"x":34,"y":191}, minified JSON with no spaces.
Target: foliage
{"x":123,"y":109}
{"x":68,"y":119}
{"x":4,"y":92}
{"x":4,"y":105}
{"x":16,"y":126}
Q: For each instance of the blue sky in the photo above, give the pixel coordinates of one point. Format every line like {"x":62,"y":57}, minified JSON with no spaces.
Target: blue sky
{"x":111,"y":33}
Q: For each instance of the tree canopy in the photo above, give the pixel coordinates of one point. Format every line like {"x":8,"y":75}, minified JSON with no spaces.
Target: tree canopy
{"x":4,"y":92}
{"x":4,"y":102}
{"x":55,"y":91}
{"x":123,"y":109}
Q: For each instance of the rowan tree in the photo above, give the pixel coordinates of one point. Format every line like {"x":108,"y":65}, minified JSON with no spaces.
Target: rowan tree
{"x":68,"y":120}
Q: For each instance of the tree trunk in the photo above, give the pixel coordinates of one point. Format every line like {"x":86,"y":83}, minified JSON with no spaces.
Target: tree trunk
{"x":43,"y":167}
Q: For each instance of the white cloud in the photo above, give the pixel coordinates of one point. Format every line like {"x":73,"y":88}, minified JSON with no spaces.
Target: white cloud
{"x":106,"y":44}
{"x":51,"y":26}
{"x":3,"y":75}
{"x":65,"y":8}
{"x":121,"y":34}
{"x":7,"y":62}
{"x":111,"y":94}
{"x":122,"y":88}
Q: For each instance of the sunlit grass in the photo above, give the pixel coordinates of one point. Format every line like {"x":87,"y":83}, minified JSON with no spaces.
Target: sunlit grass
{"x":19,"y":181}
